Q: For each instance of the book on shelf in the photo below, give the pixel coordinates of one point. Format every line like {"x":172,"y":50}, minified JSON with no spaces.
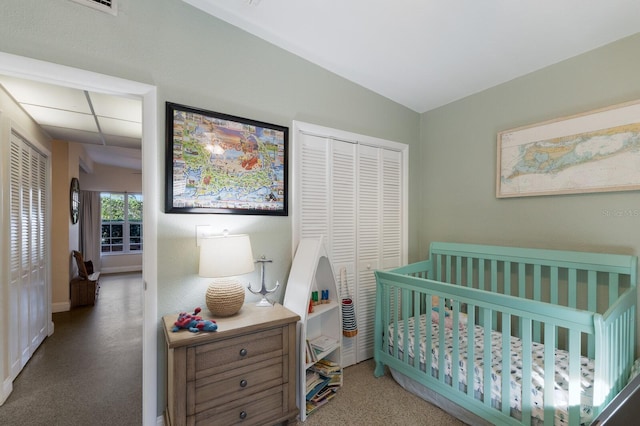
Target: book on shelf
{"x":324,"y":343}
{"x":319,"y":387}
{"x":326,"y":367}
{"x":310,"y":355}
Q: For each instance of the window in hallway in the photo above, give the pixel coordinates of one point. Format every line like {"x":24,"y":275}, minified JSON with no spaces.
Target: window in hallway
{"x":121,"y":219}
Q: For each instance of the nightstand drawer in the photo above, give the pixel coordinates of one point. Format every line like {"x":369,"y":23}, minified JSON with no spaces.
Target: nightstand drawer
{"x":256,"y":409}
{"x":216,"y":390}
{"x":228,"y":354}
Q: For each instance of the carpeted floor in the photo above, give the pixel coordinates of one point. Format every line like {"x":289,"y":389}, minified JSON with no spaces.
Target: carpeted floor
{"x":367,"y":400}
{"x":89,"y":372}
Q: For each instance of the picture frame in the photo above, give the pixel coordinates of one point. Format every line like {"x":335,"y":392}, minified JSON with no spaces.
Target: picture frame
{"x":597,"y":151}
{"x":224,"y":164}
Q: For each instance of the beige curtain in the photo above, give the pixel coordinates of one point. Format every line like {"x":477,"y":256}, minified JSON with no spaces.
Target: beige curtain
{"x":90,"y":227}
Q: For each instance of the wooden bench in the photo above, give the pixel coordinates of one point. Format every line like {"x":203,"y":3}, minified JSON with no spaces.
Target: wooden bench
{"x":84,"y":288}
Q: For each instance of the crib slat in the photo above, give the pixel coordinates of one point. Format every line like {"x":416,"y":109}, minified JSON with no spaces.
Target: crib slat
{"x":507,"y":278}
{"x":574,"y":378}
{"x":396,"y":330}
{"x":405,"y":321}
{"x":416,"y":330}
{"x":591,"y":306}
{"x":459,"y":270}
{"x":481,"y":274}
{"x":506,"y":364}
{"x":573,"y":278}
{"x":441,"y":342}
{"x":471,"y":340}
{"x":537,"y":285}
{"x":553,"y":290}
{"x":494,"y":285}
{"x":526,"y":372}
{"x":469,"y":272}
{"x":428,"y":356}
{"x":455,"y":356}
{"x":447,"y":272}
{"x":613,"y":287}
{"x":486,"y":370}
{"x":549,"y":374}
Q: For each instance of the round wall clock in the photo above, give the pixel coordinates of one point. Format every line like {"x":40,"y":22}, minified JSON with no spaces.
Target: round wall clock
{"x":74,"y":197}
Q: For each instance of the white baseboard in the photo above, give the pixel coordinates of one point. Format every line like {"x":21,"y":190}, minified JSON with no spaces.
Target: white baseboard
{"x":7,"y":388}
{"x":60,"y":307}
{"x":117,"y":269}
{"x":160,"y":421}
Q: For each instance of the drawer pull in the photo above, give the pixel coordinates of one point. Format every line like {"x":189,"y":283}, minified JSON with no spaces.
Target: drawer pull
{"x":243,"y":383}
{"x":243,"y":415}
{"x":243,"y":352}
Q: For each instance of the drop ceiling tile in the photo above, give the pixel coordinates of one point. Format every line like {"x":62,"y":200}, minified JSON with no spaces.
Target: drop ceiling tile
{"x":123,"y":141}
{"x":42,"y":94}
{"x":73,"y":135}
{"x":117,"y":107}
{"x":111,"y":126}
{"x":60,"y":118}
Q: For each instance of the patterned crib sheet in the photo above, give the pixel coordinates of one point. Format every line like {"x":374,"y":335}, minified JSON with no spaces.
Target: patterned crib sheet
{"x":561,"y":391}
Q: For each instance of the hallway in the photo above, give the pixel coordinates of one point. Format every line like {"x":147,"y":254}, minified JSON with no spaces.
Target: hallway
{"x":89,"y":372}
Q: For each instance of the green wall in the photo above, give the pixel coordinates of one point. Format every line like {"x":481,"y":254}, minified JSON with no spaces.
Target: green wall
{"x":197,"y":60}
{"x":458,"y":201}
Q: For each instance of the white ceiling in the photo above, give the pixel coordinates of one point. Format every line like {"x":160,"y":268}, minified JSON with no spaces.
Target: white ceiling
{"x":426,"y":53}
{"x":110,"y":127}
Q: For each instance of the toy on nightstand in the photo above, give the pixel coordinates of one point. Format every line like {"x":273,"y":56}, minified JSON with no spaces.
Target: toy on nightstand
{"x":193,"y":322}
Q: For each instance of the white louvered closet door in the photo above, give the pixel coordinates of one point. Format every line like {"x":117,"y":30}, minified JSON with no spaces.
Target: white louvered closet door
{"x":379,"y":232}
{"x":28,"y":282}
{"x":352,"y":195}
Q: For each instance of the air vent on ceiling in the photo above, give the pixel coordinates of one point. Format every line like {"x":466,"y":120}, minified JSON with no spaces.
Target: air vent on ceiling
{"x":109,"y":6}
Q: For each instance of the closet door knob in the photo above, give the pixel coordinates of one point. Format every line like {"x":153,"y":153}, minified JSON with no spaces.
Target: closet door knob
{"x":243,"y":352}
{"x":243,"y":415}
{"x":243,"y":383}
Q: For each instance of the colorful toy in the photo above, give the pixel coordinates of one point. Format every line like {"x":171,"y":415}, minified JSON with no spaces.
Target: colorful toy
{"x":193,"y":322}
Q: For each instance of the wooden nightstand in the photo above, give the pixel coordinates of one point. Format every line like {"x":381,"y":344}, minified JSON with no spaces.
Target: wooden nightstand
{"x":243,"y":373}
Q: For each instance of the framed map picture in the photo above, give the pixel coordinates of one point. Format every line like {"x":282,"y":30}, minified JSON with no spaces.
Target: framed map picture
{"x":596,"y":151}
{"x":219,"y":163}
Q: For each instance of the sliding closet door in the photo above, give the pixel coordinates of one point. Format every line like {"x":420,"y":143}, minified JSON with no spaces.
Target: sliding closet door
{"x":28,"y":282}
{"x":352,"y":195}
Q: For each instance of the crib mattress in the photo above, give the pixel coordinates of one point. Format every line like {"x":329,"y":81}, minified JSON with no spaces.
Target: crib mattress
{"x":561,"y":392}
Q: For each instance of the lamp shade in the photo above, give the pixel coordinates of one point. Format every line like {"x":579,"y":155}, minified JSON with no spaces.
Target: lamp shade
{"x":226,"y":256}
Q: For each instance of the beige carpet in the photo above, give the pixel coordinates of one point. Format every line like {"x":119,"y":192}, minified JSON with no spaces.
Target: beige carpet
{"x":367,"y":400}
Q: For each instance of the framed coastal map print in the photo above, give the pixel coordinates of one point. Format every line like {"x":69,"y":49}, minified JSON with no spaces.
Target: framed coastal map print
{"x":219,"y":163}
{"x":597,"y":151}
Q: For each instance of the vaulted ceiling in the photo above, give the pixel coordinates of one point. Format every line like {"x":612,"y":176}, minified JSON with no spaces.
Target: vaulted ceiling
{"x":426,"y":53}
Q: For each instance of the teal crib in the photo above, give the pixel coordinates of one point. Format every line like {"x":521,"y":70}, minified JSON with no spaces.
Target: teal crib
{"x":514,"y":335}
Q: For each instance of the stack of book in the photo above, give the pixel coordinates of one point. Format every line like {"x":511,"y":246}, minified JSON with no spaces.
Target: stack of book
{"x":323,"y":379}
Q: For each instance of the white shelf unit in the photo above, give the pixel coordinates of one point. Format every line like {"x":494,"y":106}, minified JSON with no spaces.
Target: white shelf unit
{"x":311,"y":271}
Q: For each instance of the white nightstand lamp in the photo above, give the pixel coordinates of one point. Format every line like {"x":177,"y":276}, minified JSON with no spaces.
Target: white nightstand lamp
{"x":224,"y":258}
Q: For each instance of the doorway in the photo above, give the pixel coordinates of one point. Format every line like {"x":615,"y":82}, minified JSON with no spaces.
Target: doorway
{"x":61,"y":75}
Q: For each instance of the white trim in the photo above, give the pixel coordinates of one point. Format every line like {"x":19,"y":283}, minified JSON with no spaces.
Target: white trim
{"x":7,"y":388}
{"x":47,"y":72}
{"x":119,"y":269}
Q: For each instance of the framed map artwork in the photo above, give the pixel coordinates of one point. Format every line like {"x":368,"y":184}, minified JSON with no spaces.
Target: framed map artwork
{"x":219,"y":163}
{"x":597,"y":151}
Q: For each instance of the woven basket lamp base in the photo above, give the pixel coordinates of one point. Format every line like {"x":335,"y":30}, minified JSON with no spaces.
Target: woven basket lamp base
{"x":225,"y":297}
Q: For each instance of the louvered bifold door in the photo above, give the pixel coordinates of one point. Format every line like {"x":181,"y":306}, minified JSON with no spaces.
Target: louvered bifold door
{"x":343,"y":219}
{"x":314,"y":186}
{"x":369,"y":244}
{"x":28,"y":303}
{"x":392,"y":209}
